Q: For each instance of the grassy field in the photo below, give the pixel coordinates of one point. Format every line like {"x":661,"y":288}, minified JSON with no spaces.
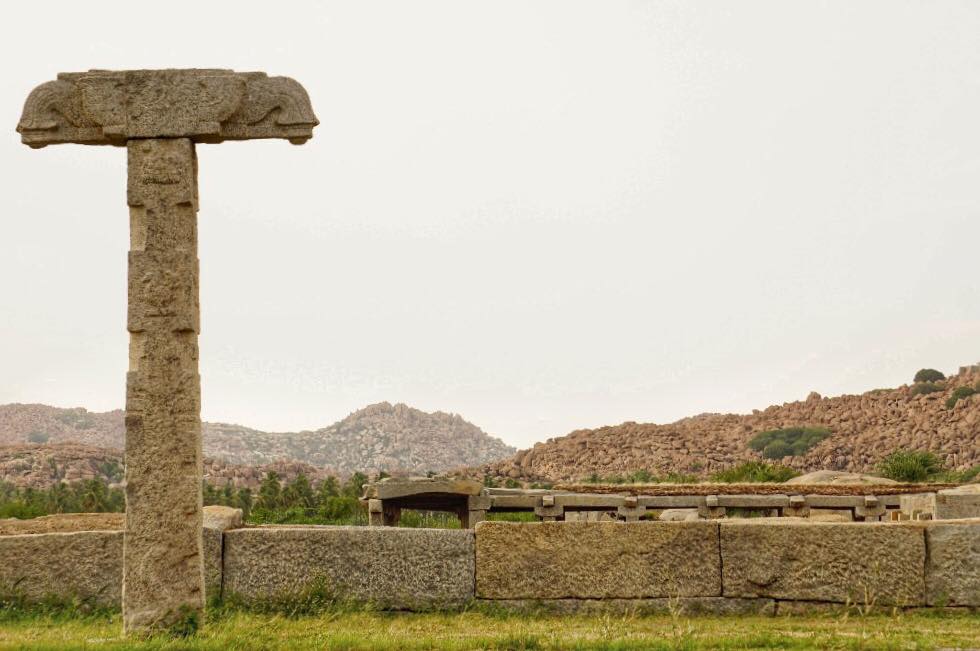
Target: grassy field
{"x":488,"y":630}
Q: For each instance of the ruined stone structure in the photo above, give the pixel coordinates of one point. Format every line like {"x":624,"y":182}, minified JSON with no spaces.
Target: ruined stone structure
{"x":471,"y":501}
{"x":159,"y":116}
{"x":753,"y":566}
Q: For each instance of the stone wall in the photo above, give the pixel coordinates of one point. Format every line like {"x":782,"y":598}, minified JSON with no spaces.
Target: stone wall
{"x":749,"y":566}
{"x":385,"y":566}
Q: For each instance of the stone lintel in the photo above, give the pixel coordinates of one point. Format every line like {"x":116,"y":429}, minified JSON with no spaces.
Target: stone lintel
{"x":107,"y":107}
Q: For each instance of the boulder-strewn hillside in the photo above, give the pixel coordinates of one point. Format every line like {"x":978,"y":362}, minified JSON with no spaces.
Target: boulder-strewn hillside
{"x":40,"y":465}
{"x":864,"y":428}
{"x":379,"y":437}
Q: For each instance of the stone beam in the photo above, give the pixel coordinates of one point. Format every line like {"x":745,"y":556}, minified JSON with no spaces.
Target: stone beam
{"x":103,"y":107}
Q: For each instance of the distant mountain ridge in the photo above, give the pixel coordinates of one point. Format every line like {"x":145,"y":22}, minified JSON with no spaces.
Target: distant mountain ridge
{"x":863,"y":430}
{"x":383,"y":436}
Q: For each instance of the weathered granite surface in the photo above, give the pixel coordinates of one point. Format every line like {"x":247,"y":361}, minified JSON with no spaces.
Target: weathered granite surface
{"x":958,"y":503}
{"x":953,"y":566}
{"x":593,"y":560}
{"x":836,"y":562}
{"x":389,"y":567}
{"x":394,"y":487}
{"x":109,"y":107}
{"x":86,"y":565}
{"x":159,"y":115}
{"x":163,"y":566}
{"x":222,"y":518}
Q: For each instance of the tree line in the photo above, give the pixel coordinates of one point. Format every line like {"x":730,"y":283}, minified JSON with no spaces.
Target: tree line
{"x":329,"y":501}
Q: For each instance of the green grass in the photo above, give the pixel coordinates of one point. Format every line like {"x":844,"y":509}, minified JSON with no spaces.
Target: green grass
{"x":479,"y":629}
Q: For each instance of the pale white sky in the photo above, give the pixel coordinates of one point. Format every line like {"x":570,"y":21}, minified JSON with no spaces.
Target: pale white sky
{"x":540,"y":215}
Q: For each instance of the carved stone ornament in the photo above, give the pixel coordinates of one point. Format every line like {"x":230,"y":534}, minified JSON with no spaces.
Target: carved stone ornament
{"x":103,"y":107}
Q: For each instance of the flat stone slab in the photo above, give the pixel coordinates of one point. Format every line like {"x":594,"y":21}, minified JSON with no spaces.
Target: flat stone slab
{"x":387,"y":567}
{"x":830,"y":562}
{"x":63,"y":523}
{"x":393,"y":488}
{"x":953,"y":567}
{"x":597,"y":560}
{"x":957,"y":503}
{"x":84,"y":565}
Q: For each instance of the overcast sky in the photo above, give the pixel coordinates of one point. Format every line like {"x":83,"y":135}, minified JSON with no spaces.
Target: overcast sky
{"x":540,"y":215}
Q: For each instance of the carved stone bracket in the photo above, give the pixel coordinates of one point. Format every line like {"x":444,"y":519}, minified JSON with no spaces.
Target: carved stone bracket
{"x":103,"y":107}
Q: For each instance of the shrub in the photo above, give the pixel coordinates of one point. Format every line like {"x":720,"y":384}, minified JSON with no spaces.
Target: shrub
{"x":791,"y":441}
{"x":958,"y":394}
{"x":928,"y":375}
{"x":970,"y":475}
{"x":926,"y":387}
{"x":755,"y":472}
{"x":910,"y":466}
{"x":37,"y":437}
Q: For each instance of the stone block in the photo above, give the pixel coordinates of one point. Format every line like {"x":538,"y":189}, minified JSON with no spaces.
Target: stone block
{"x":678,"y":515}
{"x":831,"y":562}
{"x":222,"y":518}
{"x":385,"y":566}
{"x":85,"y":565}
{"x":957,"y":503}
{"x":830,"y":515}
{"x":922,"y":502}
{"x":953,"y":565}
{"x":393,"y":487}
{"x":597,"y":560}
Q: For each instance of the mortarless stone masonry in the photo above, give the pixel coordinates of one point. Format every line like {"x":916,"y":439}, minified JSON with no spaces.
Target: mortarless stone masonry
{"x":597,"y":560}
{"x":780,"y":567}
{"x":847,"y":562}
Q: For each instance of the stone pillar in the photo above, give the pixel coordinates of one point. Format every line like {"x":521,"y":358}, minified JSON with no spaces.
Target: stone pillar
{"x":163,"y":576}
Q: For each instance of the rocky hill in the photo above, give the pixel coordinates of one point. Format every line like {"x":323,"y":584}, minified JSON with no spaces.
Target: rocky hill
{"x":864,"y":428}
{"x":395,"y":438}
{"x":39,"y":465}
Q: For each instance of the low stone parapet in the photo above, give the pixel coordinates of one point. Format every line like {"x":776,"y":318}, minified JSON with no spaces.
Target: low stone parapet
{"x":597,"y":560}
{"x":953,"y":566}
{"x":761,"y":565}
{"x":829,"y":562}
{"x":388,"y":567}
{"x":83,"y":565}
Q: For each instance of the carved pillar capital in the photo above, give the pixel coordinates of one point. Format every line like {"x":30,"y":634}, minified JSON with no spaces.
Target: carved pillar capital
{"x":103,"y":107}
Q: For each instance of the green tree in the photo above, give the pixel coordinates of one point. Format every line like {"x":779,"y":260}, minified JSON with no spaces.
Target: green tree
{"x":928,"y":375}
{"x":270,"y":491}
{"x":244,"y":500}
{"x":789,"y":441}
{"x":328,"y":488}
{"x":354,"y":486}
{"x":299,"y":493}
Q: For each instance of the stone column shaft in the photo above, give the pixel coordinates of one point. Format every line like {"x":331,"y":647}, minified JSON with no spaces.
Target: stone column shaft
{"x":163,"y":569}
